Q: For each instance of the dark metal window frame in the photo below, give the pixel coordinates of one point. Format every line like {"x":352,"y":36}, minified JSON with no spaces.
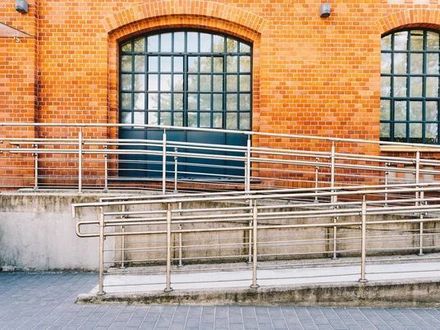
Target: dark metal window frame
{"x":408,"y":98}
{"x":186,"y":55}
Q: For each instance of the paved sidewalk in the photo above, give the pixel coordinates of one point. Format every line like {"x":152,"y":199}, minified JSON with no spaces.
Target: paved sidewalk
{"x":45,"y":300}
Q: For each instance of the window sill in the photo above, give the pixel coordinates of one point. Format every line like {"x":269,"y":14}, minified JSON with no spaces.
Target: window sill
{"x":391,"y":148}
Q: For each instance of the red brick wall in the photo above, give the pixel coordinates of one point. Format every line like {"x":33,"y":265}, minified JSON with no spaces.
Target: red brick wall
{"x":311,"y":75}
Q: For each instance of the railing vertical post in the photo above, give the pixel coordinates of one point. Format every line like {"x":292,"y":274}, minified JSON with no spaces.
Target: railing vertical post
{"x":417,"y":178}
{"x":180,"y":240}
{"x":105,"y":169}
{"x":316,"y":179}
{"x":254,"y":284}
{"x":335,"y":238}
{"x":333,"y":198}
{"x":422,"y":197}
{"x":247,"y":172}
{"x":168,"y":262}
{"x":123,"y":239}
{"x":176,"y":164}
{"x":386,"y":183}
{"x":101,"y":252}
{"x":164,"y":162}
{"x":363,"y":240}
{"x":35,"y":167}
{"x":80,"y":164}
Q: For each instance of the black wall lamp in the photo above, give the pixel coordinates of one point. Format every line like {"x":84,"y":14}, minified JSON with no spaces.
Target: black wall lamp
{"x":22,"y":6}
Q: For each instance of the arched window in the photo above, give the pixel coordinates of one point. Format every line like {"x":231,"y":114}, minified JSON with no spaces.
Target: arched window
{"x":186,"y":78}
{"x":410,"y":86}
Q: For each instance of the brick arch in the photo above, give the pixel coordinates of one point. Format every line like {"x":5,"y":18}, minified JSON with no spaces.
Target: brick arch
{"x":158,"y":8}
{"x":421,"y":18}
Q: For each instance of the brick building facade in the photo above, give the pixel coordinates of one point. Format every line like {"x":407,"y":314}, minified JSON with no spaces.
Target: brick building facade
{"x":310,"y":75}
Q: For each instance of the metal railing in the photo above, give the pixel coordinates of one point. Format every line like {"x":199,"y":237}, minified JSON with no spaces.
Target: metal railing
{"x":91,"y":156}
{"x":262,"y":226}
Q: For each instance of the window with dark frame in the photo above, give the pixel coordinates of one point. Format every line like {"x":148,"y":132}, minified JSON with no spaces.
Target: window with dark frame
{"x":410,"y":86}
{"x":186,"y":78}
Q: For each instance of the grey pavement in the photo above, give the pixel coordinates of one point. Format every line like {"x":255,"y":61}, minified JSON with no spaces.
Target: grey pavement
{"x":46,"y":301}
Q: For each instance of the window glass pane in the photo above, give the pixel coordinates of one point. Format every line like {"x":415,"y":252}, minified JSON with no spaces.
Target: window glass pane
{"x":139,"y":118}
{"x":245,"y":83}
{"x":165,"y":118}
{"x":193,"y":83}
{"x":245,"y":102}
{"x":192,"y":101}
{"x":400,"y":40}
{"x":245,"y":122}
{"x":400,"y":132}
{"x":400,"y":110}
{"x":218,"y":102}
{"x":126,"y":82}
{"x":165,"y":42}
{"x":431,"y":111}
{"x":192,"y":42}
{"x":431,"y":133}
{"x":139,"y":45}
{"x":415,"y":111}
{"x":152,"y":82}
{"x":165,"y":82}
{"x":139,"y":82}
{"x":126,"y":63}
{"x":432,"y":86}
{"x":205,"y":119}
{"x":245,"y":64}
{"x":231,"y":120}
{"x":165,"y":101}
{"x":432,"y":65}
{"x":432,"y":41}
{"x":126,"y":101}
{"x":400,"y":63}
{"x":218,"y":83}
{"x":178,"y":102}
{"x":139,"y":63}
{"x":231,"y":45}
{"x":126,"y":48}
{"x":178,"y":82}
{"x":152,"y":118}
{"x":385,"y":86}
{"x":205,"y":83}
{"x":165,"y":64}
{"x":153,"y":63}
{"x":400,"y":86}
{"x":193,"y":64}
{"x":231,"y":83}
{"x":384,"y":130}
{"x":385,"y":110}
{"x":178,"y":119}
{"x":231,"y":102}
{"x":153,"y":101}
{"x":153,"y":43}
{"x":192,"y":119}
{"x":218,"y":64}
{"x":219,"y":44}
{"x":126,"y":117}
{"x":178,"y":64}
{"x":139,"y":101}
{"x":416,"y":63}
{"x":217,"y":118}
{"x":386,"y":42}
{"x":205,"y":64}
{"x":205,"y":102}
{"x":179,"y":42}
{"x":205,"y":42}
{"x":416,"y":40}
{"x":245,"y":48}
{"x":386,"y":63}
{"x":415,"y":131}
{"x":231,"y":64}
{"x":416,"y":86}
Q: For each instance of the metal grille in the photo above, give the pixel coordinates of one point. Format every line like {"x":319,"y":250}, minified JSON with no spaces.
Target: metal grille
{"x":410,"y":86}
{"x":186,"y":78}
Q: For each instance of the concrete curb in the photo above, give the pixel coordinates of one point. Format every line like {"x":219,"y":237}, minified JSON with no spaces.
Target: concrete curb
{"x":424,"y":293}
